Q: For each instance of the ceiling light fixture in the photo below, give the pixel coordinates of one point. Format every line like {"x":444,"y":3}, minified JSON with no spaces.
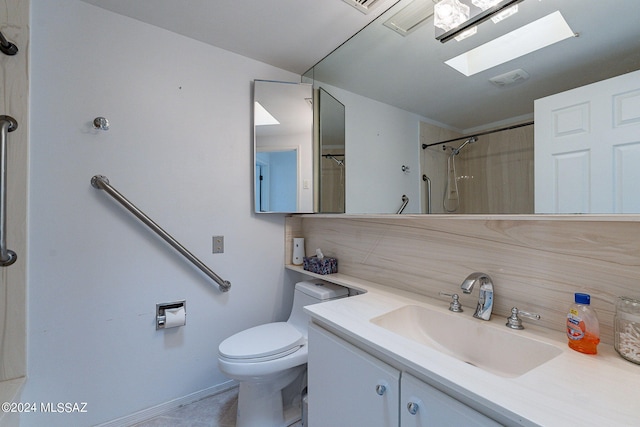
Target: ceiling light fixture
{"x":505,"y":14}
{"x":450,"y":14}
{"x":468,"y":33}
{"x":454,"y":17}
{"x":486,"y":4}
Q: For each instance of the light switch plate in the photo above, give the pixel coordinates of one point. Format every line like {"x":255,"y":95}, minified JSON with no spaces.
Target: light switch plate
{"x":218,"y":244}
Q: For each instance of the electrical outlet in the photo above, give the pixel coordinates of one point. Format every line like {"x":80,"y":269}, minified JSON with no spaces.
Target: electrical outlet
{"x":218,"y":244}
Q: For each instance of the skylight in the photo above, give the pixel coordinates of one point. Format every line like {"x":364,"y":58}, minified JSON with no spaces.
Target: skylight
{"x":529,"y":38}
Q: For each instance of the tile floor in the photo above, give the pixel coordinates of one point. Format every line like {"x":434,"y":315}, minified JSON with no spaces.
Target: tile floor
{"x":214,"y":411}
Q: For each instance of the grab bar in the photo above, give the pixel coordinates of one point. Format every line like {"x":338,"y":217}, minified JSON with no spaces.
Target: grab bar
{"x":428,"y":181}
{"x":7,"y":124}
{"x":405,"y":201}
{"x":102,"y":183}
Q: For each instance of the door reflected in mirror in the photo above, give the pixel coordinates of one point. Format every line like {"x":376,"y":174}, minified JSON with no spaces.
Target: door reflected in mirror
{"x":276,"y":177}
{"x":283,"y":147}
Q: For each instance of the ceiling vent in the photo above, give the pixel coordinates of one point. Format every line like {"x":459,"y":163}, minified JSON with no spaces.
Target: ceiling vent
{"x":510,"y":78}
{"x":363,"y":6}
{"x":411,"y":17}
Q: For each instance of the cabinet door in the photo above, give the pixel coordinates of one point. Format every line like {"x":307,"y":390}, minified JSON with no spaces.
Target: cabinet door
{"x":422,"y":405}
{"x":348,"y":387}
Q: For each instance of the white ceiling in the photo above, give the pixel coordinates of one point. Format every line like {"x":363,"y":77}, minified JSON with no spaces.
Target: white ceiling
{"x":289,"y":34}
{"x":408,"y":72}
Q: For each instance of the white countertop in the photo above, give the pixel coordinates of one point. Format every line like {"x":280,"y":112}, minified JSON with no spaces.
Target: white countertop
{"x":570,"y":389}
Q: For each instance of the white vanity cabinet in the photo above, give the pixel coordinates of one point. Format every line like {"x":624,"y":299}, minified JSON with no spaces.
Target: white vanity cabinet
{"x":349,"y":387}
{"x":422,"y":405}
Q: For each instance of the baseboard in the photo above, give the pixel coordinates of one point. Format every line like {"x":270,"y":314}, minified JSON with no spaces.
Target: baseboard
{"x":169,"y":406}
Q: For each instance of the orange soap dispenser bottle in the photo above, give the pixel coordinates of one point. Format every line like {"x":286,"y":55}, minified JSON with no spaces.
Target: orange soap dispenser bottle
{"x":583,"y":329}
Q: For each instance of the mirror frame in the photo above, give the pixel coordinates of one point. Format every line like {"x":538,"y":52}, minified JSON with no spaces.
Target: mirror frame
{"x":292,"y":106}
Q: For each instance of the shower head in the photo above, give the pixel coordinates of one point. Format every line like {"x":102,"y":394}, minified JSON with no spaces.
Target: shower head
{"x":471,"y":140}
{"x":332,"y":157}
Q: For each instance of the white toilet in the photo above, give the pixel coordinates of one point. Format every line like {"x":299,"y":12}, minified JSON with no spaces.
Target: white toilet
{"x":267,"y":358}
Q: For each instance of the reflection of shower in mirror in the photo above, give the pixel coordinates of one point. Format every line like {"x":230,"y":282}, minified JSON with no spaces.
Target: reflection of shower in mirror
{"x":456,"y":151}
{"x":334,"y":157}
{"x":451,"y":199}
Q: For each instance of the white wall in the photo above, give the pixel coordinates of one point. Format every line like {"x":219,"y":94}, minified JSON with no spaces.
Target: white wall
{"x":179,"y":147}
{"x":380,"y":139}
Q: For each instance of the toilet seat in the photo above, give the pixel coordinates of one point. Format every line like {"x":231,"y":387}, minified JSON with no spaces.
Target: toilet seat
{"x":262,"y":343}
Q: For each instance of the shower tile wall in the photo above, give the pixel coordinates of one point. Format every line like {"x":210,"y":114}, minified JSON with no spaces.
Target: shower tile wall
{"x":14,"y":22}
{"x":433,"y":161}
{"x":495,"y":174}
{"x":332,"y":184}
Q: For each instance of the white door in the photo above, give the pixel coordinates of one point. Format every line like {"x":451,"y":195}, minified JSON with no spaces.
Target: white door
{"x":587,"y":148}
{"x":261,"y":187}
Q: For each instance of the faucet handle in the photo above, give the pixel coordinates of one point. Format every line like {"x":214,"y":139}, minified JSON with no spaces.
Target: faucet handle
{"x":514,"y":322}
{"x":455,"y":305}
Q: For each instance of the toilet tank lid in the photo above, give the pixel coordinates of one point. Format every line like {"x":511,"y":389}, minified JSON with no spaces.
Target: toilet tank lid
{"x":321,"y":290}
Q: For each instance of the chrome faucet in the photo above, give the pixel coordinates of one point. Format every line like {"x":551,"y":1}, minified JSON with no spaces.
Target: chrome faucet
{"x":485,"y":299}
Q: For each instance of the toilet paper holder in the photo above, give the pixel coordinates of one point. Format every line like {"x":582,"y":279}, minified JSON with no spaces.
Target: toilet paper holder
{"x":161,"y":316}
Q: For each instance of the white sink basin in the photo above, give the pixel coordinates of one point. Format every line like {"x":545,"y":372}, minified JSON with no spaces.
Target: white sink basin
{"x":500,"y":351}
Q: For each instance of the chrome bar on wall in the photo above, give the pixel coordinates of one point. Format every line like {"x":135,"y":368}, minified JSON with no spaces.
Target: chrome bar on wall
{"x":405,"y":201}
{"x":7,"y":124}
{"x":102,"y":183}
{"x":428,"y":181}
{"x":476,"y":135}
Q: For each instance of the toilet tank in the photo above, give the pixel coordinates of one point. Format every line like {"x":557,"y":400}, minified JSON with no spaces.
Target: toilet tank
{"x":312,"y":292}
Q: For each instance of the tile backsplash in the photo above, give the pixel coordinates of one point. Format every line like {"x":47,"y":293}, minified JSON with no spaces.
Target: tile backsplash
{"x":536,"y":262}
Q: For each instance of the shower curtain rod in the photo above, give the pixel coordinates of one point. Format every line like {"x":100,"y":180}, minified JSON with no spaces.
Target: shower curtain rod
{"x":475,"y":135}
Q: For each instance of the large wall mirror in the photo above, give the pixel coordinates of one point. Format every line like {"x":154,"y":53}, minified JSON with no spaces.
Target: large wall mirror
{"x":283,"y":147}
{"x":399,"y":93}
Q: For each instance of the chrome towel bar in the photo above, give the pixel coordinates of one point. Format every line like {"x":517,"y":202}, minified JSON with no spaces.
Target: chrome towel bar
{"x":102,"y":183}
{"x":7,"y":124}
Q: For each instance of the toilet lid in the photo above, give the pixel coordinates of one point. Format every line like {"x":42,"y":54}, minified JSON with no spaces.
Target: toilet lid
{"x":262,"y":341}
